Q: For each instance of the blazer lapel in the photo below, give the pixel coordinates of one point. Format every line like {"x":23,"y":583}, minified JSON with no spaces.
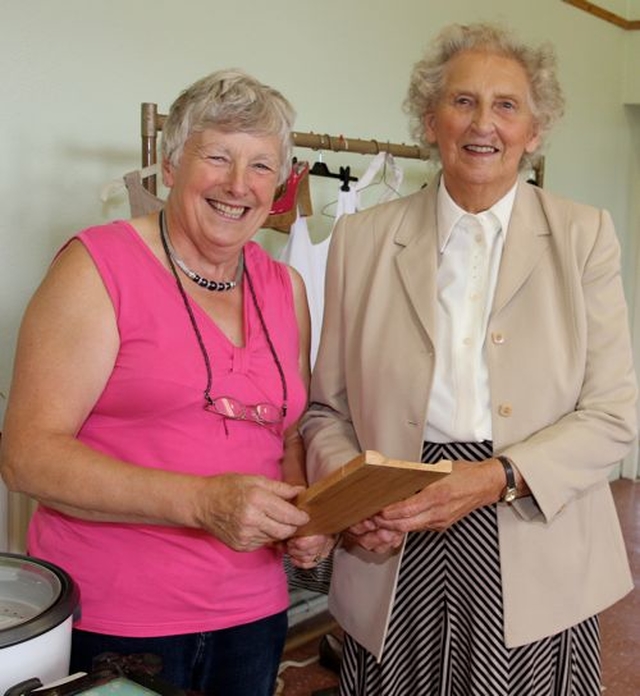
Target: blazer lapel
{"x":527,"y":240}
{"x":417,"y":262}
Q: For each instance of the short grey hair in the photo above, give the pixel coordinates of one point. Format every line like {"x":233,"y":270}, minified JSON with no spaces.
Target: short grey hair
{"x":234,"y":101}
{"x":429,"y":74}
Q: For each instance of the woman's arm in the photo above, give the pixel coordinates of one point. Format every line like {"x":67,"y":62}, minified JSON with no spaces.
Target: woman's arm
{"x":327,"y":427}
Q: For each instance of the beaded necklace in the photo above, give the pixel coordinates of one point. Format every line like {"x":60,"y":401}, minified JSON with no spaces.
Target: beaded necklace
{"x":164,"y":236}
{"x":212,"y":285}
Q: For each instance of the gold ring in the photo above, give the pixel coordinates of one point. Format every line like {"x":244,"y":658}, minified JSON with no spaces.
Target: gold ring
{"x":317,"y":558}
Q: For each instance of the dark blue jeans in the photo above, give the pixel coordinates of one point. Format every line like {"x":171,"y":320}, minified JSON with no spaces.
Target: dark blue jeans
{"x":238,"y":661}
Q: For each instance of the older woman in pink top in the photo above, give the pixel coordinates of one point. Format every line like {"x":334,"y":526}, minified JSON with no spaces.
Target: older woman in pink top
{"x":161,"y":369}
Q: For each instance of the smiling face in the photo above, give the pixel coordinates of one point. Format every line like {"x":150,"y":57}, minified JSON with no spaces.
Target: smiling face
{"x":482,"y":125}
{"x":221,"y":190}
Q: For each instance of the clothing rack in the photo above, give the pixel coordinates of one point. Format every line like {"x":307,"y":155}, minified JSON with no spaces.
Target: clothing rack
{"x":152,"y":122}
{"x":338,"y":143}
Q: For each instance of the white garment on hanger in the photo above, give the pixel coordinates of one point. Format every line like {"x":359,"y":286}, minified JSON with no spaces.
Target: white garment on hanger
{"x":310,"y":260}
{"x":117,"y":186}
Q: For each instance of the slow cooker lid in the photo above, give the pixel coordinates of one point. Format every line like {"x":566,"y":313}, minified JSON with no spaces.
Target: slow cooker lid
{"x":26,"y":590}
{"x":35,"y":596}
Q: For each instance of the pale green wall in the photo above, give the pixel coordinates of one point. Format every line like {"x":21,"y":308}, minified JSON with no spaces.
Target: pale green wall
{"x":75,"y":71}
{"x":623,"y":8}
{"x":632,"y":69}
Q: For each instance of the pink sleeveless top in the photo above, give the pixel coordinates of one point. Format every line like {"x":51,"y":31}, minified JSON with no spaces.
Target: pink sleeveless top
{"x":144,"y":580}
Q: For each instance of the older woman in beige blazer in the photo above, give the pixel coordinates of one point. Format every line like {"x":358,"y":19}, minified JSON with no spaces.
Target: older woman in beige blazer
{"x":490,"y":581}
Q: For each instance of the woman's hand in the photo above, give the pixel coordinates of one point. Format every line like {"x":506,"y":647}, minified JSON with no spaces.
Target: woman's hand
{"x":247,"y":512}
{"x":470,"y":485}
{"x":307,"y":551}
{"x":372,"y":537}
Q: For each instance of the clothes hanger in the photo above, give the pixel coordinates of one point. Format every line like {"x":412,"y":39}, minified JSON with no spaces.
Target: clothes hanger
{"x":389,"y":181}
{"x":320,"y":168}
{"x":345,"y":176}
{"x":381,"y":169}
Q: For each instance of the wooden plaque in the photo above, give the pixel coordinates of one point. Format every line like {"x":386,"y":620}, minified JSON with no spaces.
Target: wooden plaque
{"x":361,"y":488}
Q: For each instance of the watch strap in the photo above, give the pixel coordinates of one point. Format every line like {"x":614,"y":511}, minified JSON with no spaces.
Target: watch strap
{"x":510,"y":491}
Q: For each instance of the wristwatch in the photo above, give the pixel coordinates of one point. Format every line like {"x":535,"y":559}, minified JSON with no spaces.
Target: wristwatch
{"x":510,"y":493}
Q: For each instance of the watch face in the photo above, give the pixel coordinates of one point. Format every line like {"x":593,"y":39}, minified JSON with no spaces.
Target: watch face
{"x":510,"y":495}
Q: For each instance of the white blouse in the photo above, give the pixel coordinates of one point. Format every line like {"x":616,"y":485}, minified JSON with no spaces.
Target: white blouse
{"x":470,"y":252}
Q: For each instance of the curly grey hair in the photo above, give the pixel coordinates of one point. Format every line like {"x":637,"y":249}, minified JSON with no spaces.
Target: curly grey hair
{"x":429,"y":74}
{"x":233,"y":101}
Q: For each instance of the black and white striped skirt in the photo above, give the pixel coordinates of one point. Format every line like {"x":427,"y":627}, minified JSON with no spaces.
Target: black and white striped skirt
{"x":446,"y":631}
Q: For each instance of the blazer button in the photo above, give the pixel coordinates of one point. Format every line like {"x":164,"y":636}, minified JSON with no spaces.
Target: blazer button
{"x":505,"y":410}
{"x":497,"y":337}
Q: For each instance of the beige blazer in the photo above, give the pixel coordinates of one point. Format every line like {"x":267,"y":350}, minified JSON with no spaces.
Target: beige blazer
{"x":563,"y":394}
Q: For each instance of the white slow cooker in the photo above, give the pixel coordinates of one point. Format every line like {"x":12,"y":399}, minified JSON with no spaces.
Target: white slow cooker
{"x":37,"y":604}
